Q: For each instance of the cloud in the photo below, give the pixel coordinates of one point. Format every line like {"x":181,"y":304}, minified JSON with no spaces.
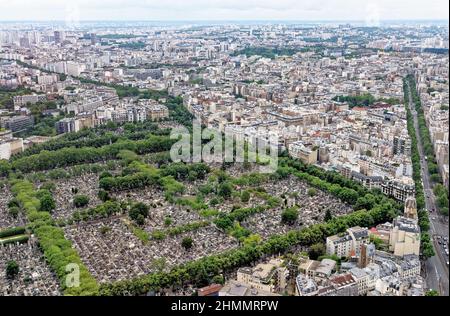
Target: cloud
{"x":371,"y":11}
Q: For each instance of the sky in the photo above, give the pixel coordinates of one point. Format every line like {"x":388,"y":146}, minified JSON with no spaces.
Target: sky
{"x":371,"y":11}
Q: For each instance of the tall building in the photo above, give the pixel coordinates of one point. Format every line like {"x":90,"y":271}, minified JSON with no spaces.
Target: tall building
{"x":270,"y":277}
{"x":9,"y":145}
{"x":404,"y":238}
{"x":366,"y":256}
{"x":22,"y":100}
{"x":349,"y":243}
{"x":47,"y":79}
{"x":94,"y":38}
{"x":402,"y":145}
{"x":19,"y":123}
{"x":136,"y":114}
{"x":73,"y":69}
{"x":156,"y":112}
{"x":400,"y":189}
{"x":59,"y":37}
{"x":305,"y":154}
{"x":119,"y":115}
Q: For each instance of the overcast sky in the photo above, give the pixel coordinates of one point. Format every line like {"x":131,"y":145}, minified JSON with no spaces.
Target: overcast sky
{"x":163,"y":10}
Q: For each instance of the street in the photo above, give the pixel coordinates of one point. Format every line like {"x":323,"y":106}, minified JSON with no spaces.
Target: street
{"x":436,"y":266}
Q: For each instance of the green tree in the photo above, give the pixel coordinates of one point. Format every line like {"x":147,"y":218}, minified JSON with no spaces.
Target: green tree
{"x":103,"y":195}
{"x":5,"y":168}
{"x":328,"y":216}
{"x":377,"y":241}
{"x":427,"y":250}
{"x":432,"y":293}
{"x":80,"y":201}
{"x":139,"y":219}
{"x":214,"y":201}
{"x":436,"y":178}
{"x":138,"y":213}
{"x":105,"y":174}
{"x":128,"y":156}
{"x":245,"y":196}
{"x":225,"y":190}
{"x":49,"y":186}
{"x":218,"y":279}
{"x":289,"y":215}
{"x":47,"y":203}
{"x":442,"y":201}
{"x":316,"y":250}
{"x":14,"y":211}
{"x":426,"y":246}
{"x":252,"y":240}
{"x":12,"y":269}
{"x":312,"y":192}
{"x":167,"y":221}
{"x":187,"y":243}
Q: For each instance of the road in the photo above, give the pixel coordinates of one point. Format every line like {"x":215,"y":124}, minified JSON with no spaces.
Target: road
{"x":435,"y":267}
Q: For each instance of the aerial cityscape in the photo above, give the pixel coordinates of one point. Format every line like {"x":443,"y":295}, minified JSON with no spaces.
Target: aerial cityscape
{"x":232,"y":150}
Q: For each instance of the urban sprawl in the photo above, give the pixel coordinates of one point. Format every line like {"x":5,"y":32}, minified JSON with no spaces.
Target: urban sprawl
{"x":357,"y":205}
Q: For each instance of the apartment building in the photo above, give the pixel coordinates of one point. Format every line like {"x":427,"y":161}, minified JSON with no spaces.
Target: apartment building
{"x":404,"y":238}
{"x":347,"y":244}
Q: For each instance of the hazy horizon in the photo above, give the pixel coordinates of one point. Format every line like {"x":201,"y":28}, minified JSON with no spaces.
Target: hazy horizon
{"x":369,"y":12}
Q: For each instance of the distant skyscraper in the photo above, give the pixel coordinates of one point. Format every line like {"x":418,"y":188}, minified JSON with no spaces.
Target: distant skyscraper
{"x":25,"y":42}
{"x":59,"y":36}
{"x":94,"y":38}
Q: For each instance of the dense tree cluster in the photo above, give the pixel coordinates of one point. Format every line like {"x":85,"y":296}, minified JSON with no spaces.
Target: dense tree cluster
{"x":58,"y":251}
{"x":441,"y":193}
{"x":128,"y":91}
{"x":91,"y":141}
{"x":138,"y":213}
{"x":80,"y":200}
{"x":12,"y":231}
{"x":104,"y":210}
{"x":182,"y":171}
{"x":424,"y":132}
{"x":424,"y":222}
{"x":128,"y":182}
{"x":178,"y":112}
{"x":146,"y":175}
{"x":46,"y":160}
{"x":268,"y":52}
{"x":5,"y":167}
{"x":6,"y":96}
{"x":363,"y":100}
{"x":316,"y":250}
{"x":47,"y":203}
